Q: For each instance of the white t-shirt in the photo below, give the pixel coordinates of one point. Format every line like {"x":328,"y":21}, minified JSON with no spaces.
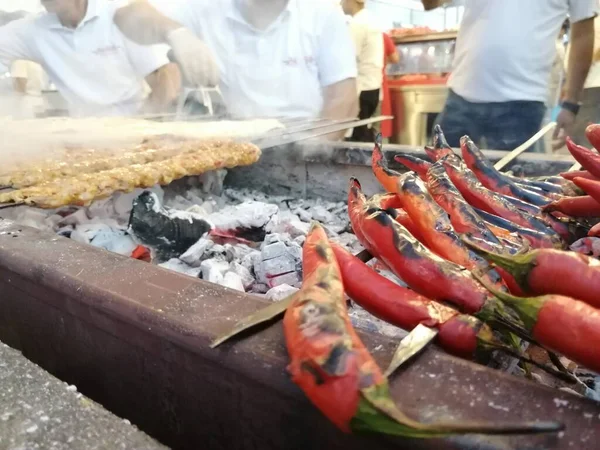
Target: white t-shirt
{"x":95,"y":67}
{"x":505,"y":48}
{"x":278,"y":72}
{"x":368,"y":43}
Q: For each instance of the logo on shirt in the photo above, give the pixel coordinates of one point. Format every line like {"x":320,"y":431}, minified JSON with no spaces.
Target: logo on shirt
{"x":109,"y":49}
{"x":293,"y":62}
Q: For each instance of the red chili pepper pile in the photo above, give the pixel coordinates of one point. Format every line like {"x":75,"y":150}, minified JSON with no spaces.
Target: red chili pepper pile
{"x":517,"y":225}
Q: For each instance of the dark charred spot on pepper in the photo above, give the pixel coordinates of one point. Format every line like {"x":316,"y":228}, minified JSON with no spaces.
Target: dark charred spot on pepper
{"x":336,"y":361}
{"x":366,"y":380}
{"x":323,"y":285}
{"x":322,"y":252}
{"x":319,"y":380}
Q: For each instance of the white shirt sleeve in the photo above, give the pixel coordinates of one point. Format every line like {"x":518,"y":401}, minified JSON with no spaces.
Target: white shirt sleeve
{"x":582,"y":9}
{"x":186,"y":12}
{"x":15,"y":42}
{"x":146,"y":59}
{"x":336,"y":58}
{"x":19,"y":69}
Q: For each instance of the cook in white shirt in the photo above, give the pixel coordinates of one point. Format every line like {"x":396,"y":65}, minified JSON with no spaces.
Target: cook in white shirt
{"x":95,"y":68}
{"x":270,"y":58}
{"x":29,"y":80}
{"x":502,"y":64}
{"x":368,"y":44}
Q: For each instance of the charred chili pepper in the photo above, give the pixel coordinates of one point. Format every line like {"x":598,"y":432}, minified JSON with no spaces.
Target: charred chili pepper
{"x":387,"y":177}
{"x":549,"y":271}
{"x":561,"y":324}
{"x":402,"y":217}
{"x":440,"y":147}
{"x":535,"y":238}
{"x":588,"y":159}
{"x":595,"y":230}
{"x":435,"y":227}
{"x":592,"y":133}
{"x":487,"y":200}
{"x":584,"y":206}
{"x":459,"y":334}
{"x":419,"y":268}
{"x":463,"y":217}
{"x":417,"y":165}
{"x":493,"y":179}
{"x":335,"y":370}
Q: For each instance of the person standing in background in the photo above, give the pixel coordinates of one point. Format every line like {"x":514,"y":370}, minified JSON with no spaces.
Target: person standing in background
{"x":29,"y":80}
{"x":369,"y":59}
{"x":502,"y":63}
{"x":590,"y":108}
{"x":390,"y":56}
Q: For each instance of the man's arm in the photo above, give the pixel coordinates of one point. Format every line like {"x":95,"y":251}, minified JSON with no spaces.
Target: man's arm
{"x":15,"y":42}
{"x":580,"y":60}
{"x":340,"y":100}
{"x":166,"y":86}
{"x":144,"y":24}
{"x":391,"y":52}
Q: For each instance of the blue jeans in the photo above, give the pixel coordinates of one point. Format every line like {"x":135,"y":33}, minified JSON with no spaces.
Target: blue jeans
{"x":502,"y":125}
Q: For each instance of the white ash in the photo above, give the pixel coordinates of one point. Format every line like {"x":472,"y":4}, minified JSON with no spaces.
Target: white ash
{"x":257,"y":268}
{"x":281,"y":292}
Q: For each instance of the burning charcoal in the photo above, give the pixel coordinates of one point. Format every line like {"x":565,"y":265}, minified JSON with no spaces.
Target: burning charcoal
{"x":300,"y":240}
{"x":278,"y":266}
{"x":213,"y":270}
{"x":87,"y":232}
{"x":251,"y":259}
{"x":177,"y":265}
{"x":193,"y":256}
{"x":212,"y":182}
{"x":123,"y":203}
{"x":53,"y":221}
{"x":245,"y":221}
{"x":321,"y":214}
{"x":280,"y":292}
{"x":102,"y":208}
{"x":169,"y":232}
{"x":197,"y":209}
{"x":365,"y":321}
{"x":65,"y":231}
{"x":243,"y":273}
{"x":233,"y":281}
{"x":288,"y":223}
{"x":237,"y":252}
{"x":349,"y":241}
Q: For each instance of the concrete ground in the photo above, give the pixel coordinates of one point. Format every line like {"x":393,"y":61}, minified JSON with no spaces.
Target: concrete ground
{"x":38,"y":411}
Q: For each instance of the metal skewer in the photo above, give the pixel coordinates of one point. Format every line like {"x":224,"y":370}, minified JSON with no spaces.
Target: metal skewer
{"x":524,"y":146}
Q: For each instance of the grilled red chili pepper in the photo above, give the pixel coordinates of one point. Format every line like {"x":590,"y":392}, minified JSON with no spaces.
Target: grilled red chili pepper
{"x":549,"y":271}
{"x":592,"y":133}
{"x":588,"y":159}
{"x":578,"y":174}
{"x":591,"y":187}
{"x":463,"y":217}
{"x":418,"y":165}
{"x":562,"y":324}
{"x":435,"y":227}
{"x":335,"y":370}
{"x":402,"y":217}
{"x":492,"y":178}
{"x":535,"y":238}
{"x":440,"y":147}
{"x":482,"y":198}
{"x":418,"y":267}
{"x":386,"y":176}
{"x":584,"y":206}
{"x":386,"y":201}
{"x":595,"y":230}
{"x":459,"y":334}
{"x":541,"y":187}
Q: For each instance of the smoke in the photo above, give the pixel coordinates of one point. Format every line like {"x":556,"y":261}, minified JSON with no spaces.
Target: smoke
{"x":28,"y":141}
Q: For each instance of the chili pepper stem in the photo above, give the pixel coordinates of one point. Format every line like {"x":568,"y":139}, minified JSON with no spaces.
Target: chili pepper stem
{"x":377,"y":412}
{"x":526,"y":307}
{"x":519,"y":265}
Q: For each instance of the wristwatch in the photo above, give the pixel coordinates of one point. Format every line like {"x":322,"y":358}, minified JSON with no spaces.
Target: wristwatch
{"x":573,"y":107}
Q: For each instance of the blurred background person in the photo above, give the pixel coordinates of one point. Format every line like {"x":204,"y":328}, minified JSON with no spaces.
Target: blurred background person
{"x":94,"y":67}
{"x":590,"y":107}
{"x":29,"y":82}
{"x":504,"y":54}
{"x":368,"y":45}
{"x":279,"y":58}
{"x":390,"y":56}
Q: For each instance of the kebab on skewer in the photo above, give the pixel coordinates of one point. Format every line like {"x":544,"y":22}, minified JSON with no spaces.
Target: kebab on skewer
{"x":84,"y":188}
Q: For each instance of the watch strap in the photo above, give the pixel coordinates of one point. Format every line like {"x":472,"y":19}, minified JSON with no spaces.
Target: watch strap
{"x":572,"y":107}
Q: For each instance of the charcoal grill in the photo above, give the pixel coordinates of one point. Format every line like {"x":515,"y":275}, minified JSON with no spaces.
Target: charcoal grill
{"x":135,"y":338}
